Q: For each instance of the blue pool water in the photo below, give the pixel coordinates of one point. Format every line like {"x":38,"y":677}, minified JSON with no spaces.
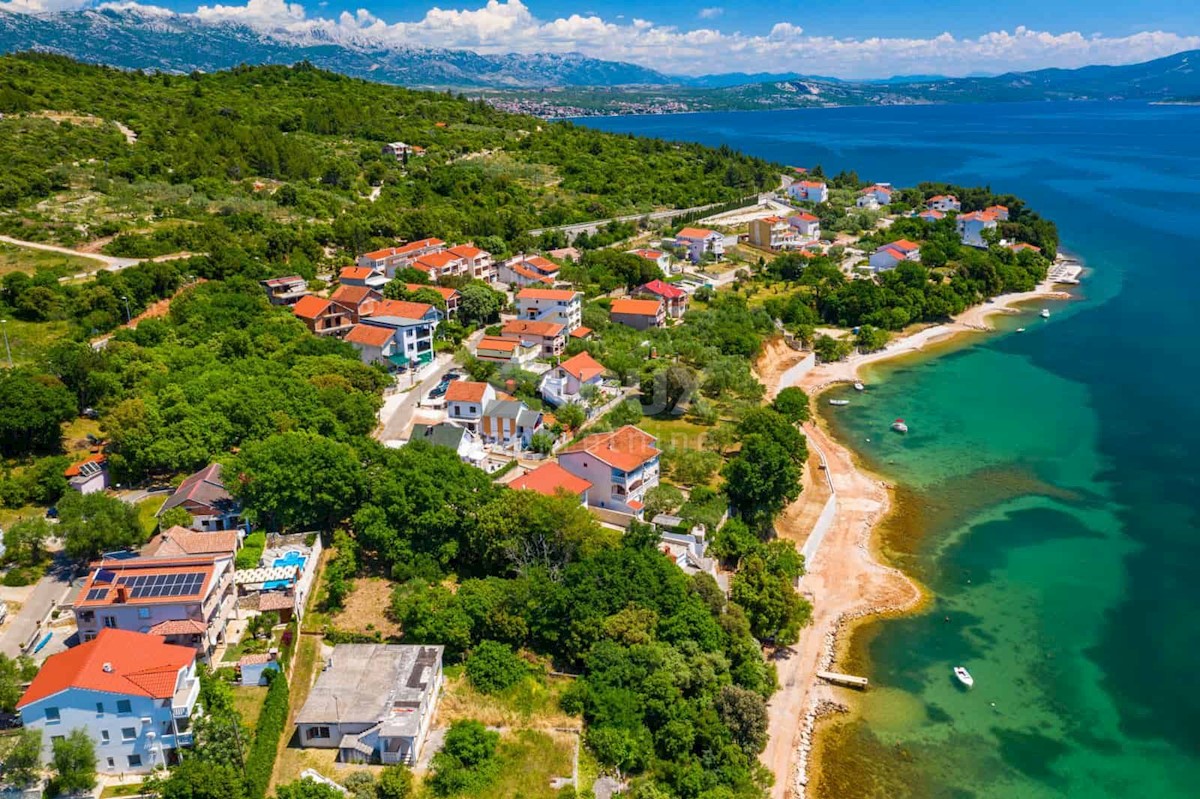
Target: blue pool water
{"x":291,"y":559}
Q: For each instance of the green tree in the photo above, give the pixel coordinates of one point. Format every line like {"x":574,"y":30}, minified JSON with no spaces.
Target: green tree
{"x":762,"y":479}
{"x":23,"y":763}
{"x":774,"y":426}
{"x":74,"y":762}
{"x":792,"y":404}
{"x":94,"y":523}
{"x":775,"y":611}
{"x":493,"y":667}
{"x":745,"y":714}
{"x":24,"y":541}
{"x":307,"y":789}
{"x":663,"y":498}
{"x":177,"y":516}
{"x":542,"y":442}
{"x":395,"y":782}
{"x":467,"y":761}
{"x":830,"y":349}
{"x":571,"y":416}
{"x":200,"y":778}
{"x":35,"y":406}
{"x":298,"y":481}
{"x":479,"y":304}
{"x":870,"y":339}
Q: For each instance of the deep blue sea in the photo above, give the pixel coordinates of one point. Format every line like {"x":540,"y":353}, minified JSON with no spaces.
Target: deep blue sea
{"x":1050,"y":486}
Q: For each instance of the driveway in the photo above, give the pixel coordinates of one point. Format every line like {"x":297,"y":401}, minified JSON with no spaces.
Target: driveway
{"x":50,"y":589}
{"x":398,"y":410}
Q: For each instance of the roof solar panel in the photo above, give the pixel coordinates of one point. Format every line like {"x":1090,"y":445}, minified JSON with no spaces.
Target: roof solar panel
{"x":97,"y":593}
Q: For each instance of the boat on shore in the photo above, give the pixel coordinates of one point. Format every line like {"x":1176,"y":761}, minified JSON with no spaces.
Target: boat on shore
{"x":964,"y":676}
{"x":839,"y":402}
{"x":899,"y":426}
{"x":859,"y":387}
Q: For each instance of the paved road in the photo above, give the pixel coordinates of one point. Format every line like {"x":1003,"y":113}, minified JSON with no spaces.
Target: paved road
{"x":591,"y":227}
{"x":50,"y":589}
{"x":395,"y":426}
{"x":110,"y":262}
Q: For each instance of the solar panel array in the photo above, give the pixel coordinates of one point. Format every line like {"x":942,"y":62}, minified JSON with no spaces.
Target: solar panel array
{"x":159,"y":585}
{"x":96,"y":593}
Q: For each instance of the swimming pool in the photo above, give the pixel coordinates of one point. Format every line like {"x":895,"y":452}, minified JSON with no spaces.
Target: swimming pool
{"x":292,"y":558}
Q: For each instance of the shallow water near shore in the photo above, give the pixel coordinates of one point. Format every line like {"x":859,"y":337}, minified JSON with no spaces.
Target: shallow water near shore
{"x":1049,"y":488}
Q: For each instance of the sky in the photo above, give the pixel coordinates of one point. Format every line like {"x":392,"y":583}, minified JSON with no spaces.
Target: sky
{"x":820,"y":37}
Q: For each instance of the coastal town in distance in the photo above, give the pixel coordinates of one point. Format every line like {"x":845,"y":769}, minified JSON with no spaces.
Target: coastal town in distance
{"x":589,"y":427}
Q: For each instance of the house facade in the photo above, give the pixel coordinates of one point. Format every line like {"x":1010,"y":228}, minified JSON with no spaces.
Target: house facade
{"x":772,"y":232}
{"x":389,"y":259}
{"x":374,"y":703}
{"x":285,"y":290}
{"x":561,"y":306}
{"x":890,"y":255}
{"x":621,"y":466}
{"x":88,"y":475}
{"x":807,"y":227}
{"x":944,"y":203}
{"x":324,"y":317}
{"x":562,"y":384}
{"x":638,"y":314}
{"x":362,"y":276}
{"x":205,"y":497}
{"x":505,"y":350}
{"x":971,"y":227}
{"x":813,"y":191}
{"x":659,"y":258}
{"x":477,"y":263}
{"x":528,"y":270}
{"x":467,"y":445}
{"x":360,"y":299}
{"x":465,"y":401}
{"x":185,"y":600}
{"x":550,"y":479}
{"x":699,"y":242}
{"x":549,"y":337}
{"x":875,"y":196}
{"x":412,"y":325}
{"x":132,"y":694}
{"x":509,"y":423}
{"x":673,"y":298}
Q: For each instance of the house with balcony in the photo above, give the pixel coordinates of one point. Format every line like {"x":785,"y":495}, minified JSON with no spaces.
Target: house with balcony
{"x":465,"y":401}
{"x":412,"y":325}
{"x":807,"y":227}
{"x":945,"y":203}
{"x":449,"y":295}
{"x":374,"y":703}
{"x":699,"y":242}
{"x":204,"y":496}
{"x":478,"y":264}
{"x":285,"y":290}
{"x":562,"y":384}
{"x":549,"y":337}
{"x":889,"y":256}
{"x":186,"y":600}
{"x":375,"y":344}
{"x":673,"y":298}
{"x":402,"y":152}
{"x":528,"y":270}
{"x":998,"y":211}
{"x":88,"y":475}
{"x":550,"y":479}
{"x":813,"y":191}
{"x":507,"y":351}
{"x":363,"y":276}
{"x":621,"y":466}
{"x":562,"y":306}
{"x":873,"y":197}
{"x":360,"y":299}
{"x":131,"y":693}
{"x":324,"y":317}
{"x":659,"y":258}
{"x":772,"y":233}
{"x":440,"y":265}
{"x":509,"y":423}
{"x":389,"y":259}
{"x":971,"y":227}
{"x":638,"y":314}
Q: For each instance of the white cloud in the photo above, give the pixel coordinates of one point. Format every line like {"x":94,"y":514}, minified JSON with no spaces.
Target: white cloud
{"x":711,"y":13}
{"x":503,"y":26}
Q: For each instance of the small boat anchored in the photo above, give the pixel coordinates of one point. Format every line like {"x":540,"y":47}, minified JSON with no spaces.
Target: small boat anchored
{"x":964,"y":676}
{"x":859,"y":387}
{"x":839,"y":402}
{"x":1020,"y":330}
{"x":899,"y":426}
{"x":1045,"y":313}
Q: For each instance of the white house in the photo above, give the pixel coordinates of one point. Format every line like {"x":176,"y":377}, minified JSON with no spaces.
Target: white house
{"x":133,"y":695}
{"x":659,"y":258}
{"x":88,"y":475}
{"x":998,"y":211}
{"x":509,"y":423}
{"x":772,"y":232}
{"x":813,"y":191}
{"x":373,"y":702}
{"x":466,"y":444}
{"x":477,"y":263}
{"x":700,"y":242}
{"x":507,"y":350}
{"x":412,"y":325}
{"x":389,"y":259}
{"x":401,"y":151}
{"x":562,"y":384}
{"x":562,"y":306}
{"x":807,"y":227}
{"x":873,"y":197}
{"x":971,"y":227}
{"x":944,"y":203}
{"x":528,"y":270}
{"x":621,"y":466}
{"x":465,"y":401}
{"x":889,"y":255}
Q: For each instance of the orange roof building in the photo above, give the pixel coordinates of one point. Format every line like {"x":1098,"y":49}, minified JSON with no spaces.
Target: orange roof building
{"x":638,"y":314}
{"x":550,"y":479}
{"x":621,"y":466}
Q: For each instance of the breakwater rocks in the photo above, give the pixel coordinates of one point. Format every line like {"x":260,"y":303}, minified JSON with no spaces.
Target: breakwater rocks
{"x":819,"y":709}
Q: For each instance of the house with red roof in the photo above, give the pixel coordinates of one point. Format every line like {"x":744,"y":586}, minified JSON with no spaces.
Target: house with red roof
{"x":440,"y":265}
{"x":659,"y":258}
{"x":562,"y":306}
{"x":638,"y":314}
{"x":285,"y":290}
{"x":389,"y":259}
{"x":529,"y":270}
{"x":324,"y":316}
{"x":550,"y":479}
{"x":408,"y":342}
{"x":506,"y":350}
{"x":673,"y":298}
{"x":890,"y":255}
{"x":932,"y":215}
{"x":466,"y":401}
{"x":187,"y":599}
{"x":402,"y":152}
{"x":363,"y":276}
{"x":1023,"y":246}
{"x":204,"y":496}
{"x":88,"y":475}
{"x":621,"y":466}
{"x":772,"y":233}
{"x":360,"y":299}
{"x":971,"y":227}
{"x":813,"y":191}
{"x":872,"y":197}
{"x":131,"y":693}
{"x":477,"y":263}
{"x":549,"y":337}
{"x":944,"y":203}
{"x":699,"y":242}
{"x":807,"y":227}
{"x":562,"y":384}
{"x":998,"y":211}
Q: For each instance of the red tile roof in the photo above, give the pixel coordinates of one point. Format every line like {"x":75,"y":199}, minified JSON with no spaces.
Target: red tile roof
{"x":1023,"y":246}
{"x":178,"y":627}
{"x":582,"y":366}
{"x":529,"y":274}
{"x":106,"y":574}
{"x":437,"y":260}
{"x":181,"y":542}
{"x":546,"y":294}
{"x":355,"y":295}
{"x":498,"y":344}
{"x":370,"y":335}
{"x":310,"y":306}
{"x":255,"y":660}
{"x":581,"y":332}
{"x":137,"y":665}
{"x":466,"y":391}
{"x":541,"y":264}
{"x":467,"y":251}
{"x":649,"y":255}
{"x":531,"y":327}
{"x":550,"y":478}
{"x":812,"y":184}
{"x":400,"y":308}
{"x":664,"y":290}
{"x":805,"y":217}
{"x":626,"y":448}
{"x":274,"y":600}
{"x":904,"y":245}
{"x":626,"y":307}
{"x":73,"y":470}
{"x":355,"y":273}
{"x":694,"y":233}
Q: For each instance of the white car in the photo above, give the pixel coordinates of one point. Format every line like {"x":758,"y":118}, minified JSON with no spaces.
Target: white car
{"x":3,"y":612}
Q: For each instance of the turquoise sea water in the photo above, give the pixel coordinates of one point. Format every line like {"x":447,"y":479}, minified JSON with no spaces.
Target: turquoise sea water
{"x":1051,"y":486}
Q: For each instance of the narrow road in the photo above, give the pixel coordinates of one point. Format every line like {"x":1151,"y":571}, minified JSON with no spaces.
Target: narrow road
{"x":50,"y":589}
{"x":575,"y":229}
{"x":110,"y":262}
{"x":397,"y":417}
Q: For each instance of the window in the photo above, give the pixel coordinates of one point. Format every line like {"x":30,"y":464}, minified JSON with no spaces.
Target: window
{"x":89,"y":637}
{"x":317,"y":732}
{"x":128,"y":733}
{"x":110,"y":621}
{"x":135,"y":761}
{"x":123,"y":707}
{"x":112,"y":763}
{"x":143,"y":613}
{"x":54,"y":738}
{"x":104,"y":736}
{"x":52,"y":715}
{"x":99,"y":708}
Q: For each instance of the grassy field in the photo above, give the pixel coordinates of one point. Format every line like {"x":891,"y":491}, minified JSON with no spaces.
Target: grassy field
{"x":681,"y":433}
{"x":146,"y":510}
{"x":529,"y":760}
{"x":248,"y":700}
{"x":366,"y":606}
{"x":530,"y":704}
{"x":26,"y":259}
{"x":291,"y":760}
{"x":29,"y":340}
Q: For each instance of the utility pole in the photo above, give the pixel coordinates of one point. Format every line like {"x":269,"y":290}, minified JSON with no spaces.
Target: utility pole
{"x":8,"y":349}
{"x":128,"y":316}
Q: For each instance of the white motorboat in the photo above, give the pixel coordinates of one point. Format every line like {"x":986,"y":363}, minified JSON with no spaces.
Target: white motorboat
{"x":859,"y":387}
{"x":964,"y":676}
{"x":1045,"y":313}
{"x":839,"y":402}
{"x":1020,"y":330}
{"x":899,"y":426}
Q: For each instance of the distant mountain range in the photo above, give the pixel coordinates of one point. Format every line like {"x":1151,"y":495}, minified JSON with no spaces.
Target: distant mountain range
{"x":542,"y":83}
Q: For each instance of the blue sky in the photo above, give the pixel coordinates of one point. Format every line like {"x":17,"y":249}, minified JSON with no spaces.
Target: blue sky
{"x":852,"y":40}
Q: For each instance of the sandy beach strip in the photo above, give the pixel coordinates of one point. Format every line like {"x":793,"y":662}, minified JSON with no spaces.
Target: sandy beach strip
{"x":846,"y":580}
